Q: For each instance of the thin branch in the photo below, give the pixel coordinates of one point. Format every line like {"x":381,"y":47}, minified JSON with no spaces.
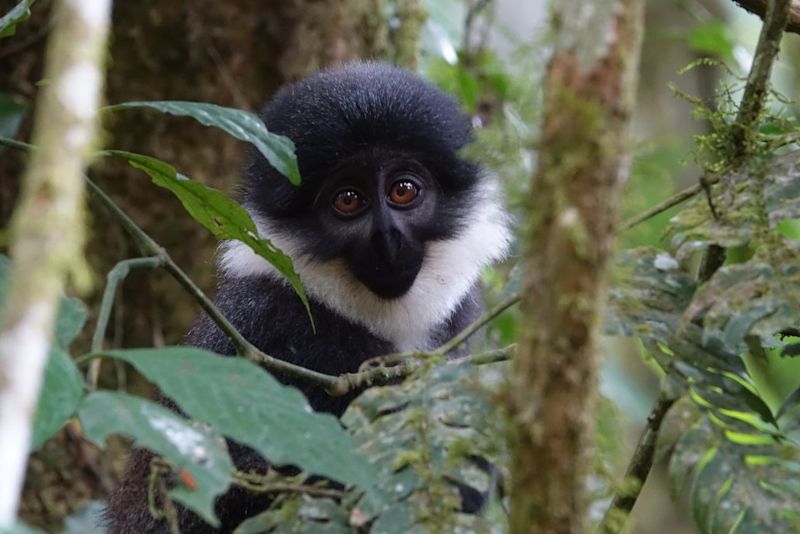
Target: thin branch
{"x":757,"y":87}
{"x":487,"y":317}
{"x":114,"y":277}
{"x":639,"y":467}
{"x":148,"y":246}
{"x":22,"y":45}
{"x":672,"y":201}
{"x":458,"y":339}
{"x":759,"y":7}
{"x":334,"y":385}
{"x":264,"y":484}
{"x":387,"y":375}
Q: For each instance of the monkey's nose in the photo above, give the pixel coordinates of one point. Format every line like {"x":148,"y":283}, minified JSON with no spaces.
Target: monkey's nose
{"x":388,"y":244}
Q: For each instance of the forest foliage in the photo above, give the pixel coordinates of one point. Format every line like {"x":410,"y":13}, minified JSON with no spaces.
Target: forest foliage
{"x":723,"y":339}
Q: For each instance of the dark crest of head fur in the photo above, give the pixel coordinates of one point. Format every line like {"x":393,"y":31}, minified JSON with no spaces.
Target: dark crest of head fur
{"x":335,"y":113}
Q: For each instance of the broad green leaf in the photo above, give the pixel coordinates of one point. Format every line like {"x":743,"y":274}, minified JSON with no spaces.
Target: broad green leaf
{"x":19,"y":13}
{"x":248,"y":405}
{"x":748,"y":298}
{"x":422,"y":436}
{"x":746,"y":489}
{"x":11,"y":115}
{"x":456,"y":80}
{"x":61,"y":393}
{"x":300,"y":515}
{"x":738,"y":459}
{"x":788,"y":416}
{"x":789,"y":228}
{"x":220,"y":214}
{"x":189,"y":446}
{"x":62,"y":386}
{"x":765,"y":193}
{"x":243,"y":125}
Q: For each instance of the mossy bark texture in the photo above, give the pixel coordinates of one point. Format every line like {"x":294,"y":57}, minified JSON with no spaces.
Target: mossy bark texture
{"x":589,"y":94}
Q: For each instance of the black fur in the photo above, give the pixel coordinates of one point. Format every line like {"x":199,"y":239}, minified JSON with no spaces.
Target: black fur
{"x":357,"y":114}
{"x":270,"y":315}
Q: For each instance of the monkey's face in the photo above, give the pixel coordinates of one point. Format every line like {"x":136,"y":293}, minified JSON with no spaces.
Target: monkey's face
{"x":376,"y":211}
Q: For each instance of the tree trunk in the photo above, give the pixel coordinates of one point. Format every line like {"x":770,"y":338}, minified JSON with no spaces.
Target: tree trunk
{"x":589,"y":96}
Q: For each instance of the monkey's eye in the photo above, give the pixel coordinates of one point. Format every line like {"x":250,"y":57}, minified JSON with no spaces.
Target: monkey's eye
{"x":348,"y":202}
{"x":403,"y":192}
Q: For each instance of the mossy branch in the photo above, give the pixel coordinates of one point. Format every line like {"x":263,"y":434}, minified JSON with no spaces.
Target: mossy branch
{"x":407,"y":36}
{"x":759,"y":7}
{"x":639,"y":467}
{"x":756,"y":89}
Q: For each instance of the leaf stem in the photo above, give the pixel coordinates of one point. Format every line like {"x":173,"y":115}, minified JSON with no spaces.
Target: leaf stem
{"x":114,"y":277}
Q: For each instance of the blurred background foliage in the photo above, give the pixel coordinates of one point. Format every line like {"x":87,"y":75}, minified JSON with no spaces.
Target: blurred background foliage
{"x":488,"y":54}
{"x":492,"y":63}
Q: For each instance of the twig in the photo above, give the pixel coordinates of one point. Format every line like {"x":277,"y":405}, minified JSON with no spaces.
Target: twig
{"x":449,"y":346}
{"x":243,"y":347}
{"x":672,"y":201}
{"x":29,"y":41}
{"x":462,"y":336}
{"x":756,"y":88}
{"x":263,"y":484}
{"x":386,"y":375}
{"x":759,"y":7}
{"x":476,"y":7}
{"x":334,"y":385}
{"x":114,"y":277}
{"x":639,"y":466}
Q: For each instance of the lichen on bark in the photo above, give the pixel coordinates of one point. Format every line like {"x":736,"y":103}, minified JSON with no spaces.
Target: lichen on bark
{"x":589,"y":90}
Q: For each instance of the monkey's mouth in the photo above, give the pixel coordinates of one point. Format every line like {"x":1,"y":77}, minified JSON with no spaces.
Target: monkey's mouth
{"x":388,"y":281}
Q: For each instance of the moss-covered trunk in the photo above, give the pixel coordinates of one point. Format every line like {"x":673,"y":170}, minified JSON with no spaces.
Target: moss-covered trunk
{"x":583,"y":161}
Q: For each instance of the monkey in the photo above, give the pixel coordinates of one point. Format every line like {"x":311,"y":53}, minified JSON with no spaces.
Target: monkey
{"x":388,"y":231}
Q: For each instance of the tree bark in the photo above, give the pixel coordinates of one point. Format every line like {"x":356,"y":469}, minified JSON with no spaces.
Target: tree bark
{"x":47,"y":231}
{"x":589,"y":97}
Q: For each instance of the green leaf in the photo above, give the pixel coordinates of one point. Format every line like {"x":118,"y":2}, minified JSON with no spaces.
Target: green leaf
{"x":243,"y":125}
{"x":300,"y":515}
{"x":766,"y":193}
{"x":750,"y":298}
{"x":189,"y":446}
{"x":248,"y":405}
{"x":61,"y":393}
{"x":789,"y":228}
{"x":422,"y":436}
{"x":221,"y":215}
{"x":456,"y":80}
{"x":19,"y":13}
{"x":746,"y":489}
{"x":712,"y":37}
{"x":62,"y":386}
{"x":11,"y":115}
